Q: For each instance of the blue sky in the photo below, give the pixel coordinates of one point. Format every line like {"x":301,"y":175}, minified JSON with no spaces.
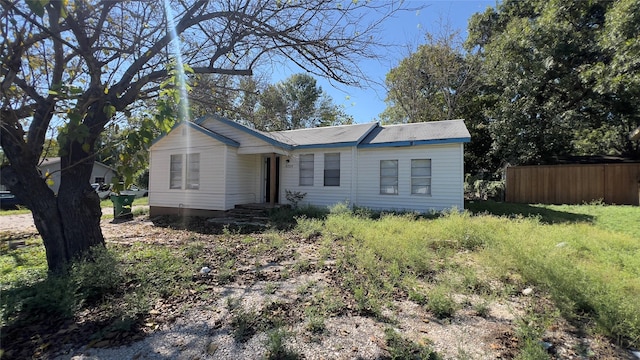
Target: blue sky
{"x":407,"y":31}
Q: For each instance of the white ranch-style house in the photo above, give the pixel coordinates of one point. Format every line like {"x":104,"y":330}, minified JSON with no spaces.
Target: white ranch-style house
{"x":214,"y":164}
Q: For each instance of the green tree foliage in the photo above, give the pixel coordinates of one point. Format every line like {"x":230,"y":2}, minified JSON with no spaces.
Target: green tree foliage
{"x":440,"y":81}
{"x":295,"y":103}
{"x":432,"y":83}
{"x":544,"y":70}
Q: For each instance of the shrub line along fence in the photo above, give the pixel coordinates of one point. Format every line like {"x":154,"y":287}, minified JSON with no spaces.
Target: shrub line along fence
{"x":574,"y":184}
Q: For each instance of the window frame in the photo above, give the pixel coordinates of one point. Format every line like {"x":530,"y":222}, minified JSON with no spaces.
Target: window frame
{"x":175,"y":174}
{"x":192,"y":182}
{"x":385,"y":184}
{"x":306,"y":160}
{"x":416,"y":176}
{"x":330,"y":171}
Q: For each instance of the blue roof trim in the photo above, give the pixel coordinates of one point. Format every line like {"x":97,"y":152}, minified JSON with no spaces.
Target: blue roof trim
{"x":249,"y":131}
{"x":194,"y":126}
{"x":417,"y":142}
{"x":325,"y":145}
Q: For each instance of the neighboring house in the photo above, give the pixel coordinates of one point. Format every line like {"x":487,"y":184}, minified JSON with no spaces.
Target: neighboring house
{"x":216,"y":164}
{"x":101,"y":173}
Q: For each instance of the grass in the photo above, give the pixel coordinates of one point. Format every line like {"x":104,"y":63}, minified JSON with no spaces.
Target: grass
{"x":123,"y":281}
{"x":584,"y":258}
{"x":623,"y":218}
{"x":103,"y":204}
{"x":401,"y":348}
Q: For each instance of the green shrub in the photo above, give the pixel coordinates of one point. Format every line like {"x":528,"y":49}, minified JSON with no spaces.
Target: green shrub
{"x":96,"y":275}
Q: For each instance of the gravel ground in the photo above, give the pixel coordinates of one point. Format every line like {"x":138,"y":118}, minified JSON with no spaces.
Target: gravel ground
{"x":23,"y":223}
{"x":204,"y":330}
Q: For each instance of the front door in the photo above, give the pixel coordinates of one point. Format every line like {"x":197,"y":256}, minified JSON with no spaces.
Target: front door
{"x":268,"y":180}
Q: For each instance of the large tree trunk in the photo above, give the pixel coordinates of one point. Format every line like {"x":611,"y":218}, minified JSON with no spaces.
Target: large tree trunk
{"x":79,"y":206}
{"x":68,"y":223}
{"x":25,"y":182}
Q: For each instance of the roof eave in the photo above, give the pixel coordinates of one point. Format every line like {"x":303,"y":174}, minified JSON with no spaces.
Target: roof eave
{"x":253,"y":132}
{"x":207,"y":132}
{"x":326,"y":145}
{"x":416,"y":142}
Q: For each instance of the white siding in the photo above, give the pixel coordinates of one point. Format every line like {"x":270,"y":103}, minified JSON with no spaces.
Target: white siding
{"x":99,"y":170}
{"x":446,"y":178}
{"x":243,"y":179}
{"x":231,"y":176}
{"x":318,"y":194}
{"x":54,"y":170}
{"x":211,"y":193}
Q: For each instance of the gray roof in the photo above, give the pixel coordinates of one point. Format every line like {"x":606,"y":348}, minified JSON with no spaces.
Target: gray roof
{"x":330,"y":135}
{"x":418,"y":133}
{"x":364,"y":135}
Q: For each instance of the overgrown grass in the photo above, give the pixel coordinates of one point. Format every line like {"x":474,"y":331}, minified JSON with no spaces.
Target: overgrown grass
{"x":589,"y":264}
{"x":623,"y":218}
{"x":585,"y":258}
{"x":124,"y":281}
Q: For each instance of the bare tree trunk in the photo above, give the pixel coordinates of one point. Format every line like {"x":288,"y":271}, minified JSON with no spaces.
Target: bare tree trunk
{"x":80,"y":208}
{"x":68,"y":223}
{"x":25,"y":182}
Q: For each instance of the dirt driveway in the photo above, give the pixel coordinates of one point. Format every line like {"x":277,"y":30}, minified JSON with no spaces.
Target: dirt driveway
{"x":23,"y":223}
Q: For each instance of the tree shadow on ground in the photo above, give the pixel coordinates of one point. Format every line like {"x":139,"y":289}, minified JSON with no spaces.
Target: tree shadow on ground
{"x":41,"y":322}
{"x":203,"y":225}
{"x":546,"y":215}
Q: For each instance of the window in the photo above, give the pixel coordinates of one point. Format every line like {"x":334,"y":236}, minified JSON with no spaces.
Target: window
{"x":193,"y":171}
{"x":175,"y":172}
{"x":332,"y":169}
{"x":421,"y":176}
{"x":99,"y":179}
{"x":306,"y":170}
{"x":389,"y":177}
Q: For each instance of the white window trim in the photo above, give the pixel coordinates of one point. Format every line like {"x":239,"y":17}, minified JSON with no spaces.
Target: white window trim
{"x":312,"y":169}
{"x":423,"y":177}
{"x":178,"y":184}
{"x":192,"y":182}
{"x":327,"y":169}
{"x":397,"y":189}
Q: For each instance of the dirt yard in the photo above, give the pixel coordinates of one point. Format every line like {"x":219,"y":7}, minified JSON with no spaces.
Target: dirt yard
{"x":273,"y":285}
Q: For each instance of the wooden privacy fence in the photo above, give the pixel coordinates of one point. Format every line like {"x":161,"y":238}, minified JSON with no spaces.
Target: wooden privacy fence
{"x":574,"y":184}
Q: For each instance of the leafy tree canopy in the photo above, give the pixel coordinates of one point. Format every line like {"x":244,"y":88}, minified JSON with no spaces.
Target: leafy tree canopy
{"x":562,"y":77}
